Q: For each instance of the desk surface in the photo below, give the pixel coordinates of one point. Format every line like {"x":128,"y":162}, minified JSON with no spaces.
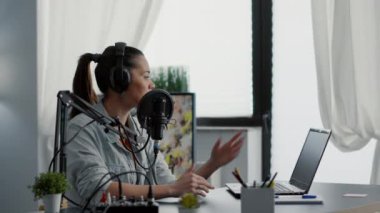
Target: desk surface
{"x":219,"y":200}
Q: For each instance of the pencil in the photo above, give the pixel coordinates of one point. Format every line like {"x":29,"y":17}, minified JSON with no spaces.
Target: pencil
{"x":238,"y":177}
{"x":271,"y":181}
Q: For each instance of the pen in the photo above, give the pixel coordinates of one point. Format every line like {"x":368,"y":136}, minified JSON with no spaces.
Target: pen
{"x":238,"y":177}
{"x":266,"y":179}
{"x":271,"y":181}
{"x":296,"y":196}
{"x":309,"y":196}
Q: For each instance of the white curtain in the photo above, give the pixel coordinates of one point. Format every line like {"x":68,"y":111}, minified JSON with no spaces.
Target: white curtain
{"x":347,"y":49}
{"x":70,"y":28}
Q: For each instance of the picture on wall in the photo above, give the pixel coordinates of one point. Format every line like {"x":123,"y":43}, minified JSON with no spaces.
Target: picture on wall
{"x":177,"y":143}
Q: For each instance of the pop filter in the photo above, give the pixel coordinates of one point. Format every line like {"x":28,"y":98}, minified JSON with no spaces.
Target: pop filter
{"x":154,"y":111}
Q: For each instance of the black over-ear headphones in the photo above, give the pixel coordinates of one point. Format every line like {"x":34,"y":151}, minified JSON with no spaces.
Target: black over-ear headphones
{"x":119,"y":75}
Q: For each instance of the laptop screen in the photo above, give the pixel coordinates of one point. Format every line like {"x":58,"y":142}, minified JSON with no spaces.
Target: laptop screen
{"x":308,"y":161}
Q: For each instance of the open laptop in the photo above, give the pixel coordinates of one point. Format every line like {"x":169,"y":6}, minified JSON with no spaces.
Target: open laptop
{"x":305,"y":169}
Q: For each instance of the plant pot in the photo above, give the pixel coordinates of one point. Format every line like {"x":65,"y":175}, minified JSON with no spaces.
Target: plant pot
{"x":52,"y":203}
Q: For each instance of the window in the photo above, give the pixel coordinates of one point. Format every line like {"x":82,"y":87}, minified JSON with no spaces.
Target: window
{"x":213,"y":39}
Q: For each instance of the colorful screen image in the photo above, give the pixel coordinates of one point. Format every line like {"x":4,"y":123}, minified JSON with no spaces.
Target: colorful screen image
{"x":178,"y":140}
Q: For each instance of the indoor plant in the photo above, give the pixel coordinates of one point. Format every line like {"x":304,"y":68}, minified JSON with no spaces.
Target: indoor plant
{"x":50,"y":186}
{"x":171,"y":78}
{"x":189,"y":203}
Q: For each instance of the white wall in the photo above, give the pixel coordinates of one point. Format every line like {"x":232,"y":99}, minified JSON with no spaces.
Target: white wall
{"x":295,"y":103}
{"x":18,"y":104}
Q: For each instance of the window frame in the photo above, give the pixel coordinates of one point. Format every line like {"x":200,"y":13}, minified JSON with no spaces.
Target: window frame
{"x":261,"y":80}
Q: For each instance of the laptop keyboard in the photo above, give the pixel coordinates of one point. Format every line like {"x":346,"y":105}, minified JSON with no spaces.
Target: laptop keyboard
{"x":282,"y":188}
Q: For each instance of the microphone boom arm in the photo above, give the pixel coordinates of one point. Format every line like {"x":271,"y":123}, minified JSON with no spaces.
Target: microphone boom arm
{"x":66,"y":99}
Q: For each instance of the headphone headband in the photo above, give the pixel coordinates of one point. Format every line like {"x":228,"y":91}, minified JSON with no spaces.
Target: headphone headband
{"x":119,"y":48}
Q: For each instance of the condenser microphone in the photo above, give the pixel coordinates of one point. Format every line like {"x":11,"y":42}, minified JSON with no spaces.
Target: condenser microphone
{"x":154,"y":112}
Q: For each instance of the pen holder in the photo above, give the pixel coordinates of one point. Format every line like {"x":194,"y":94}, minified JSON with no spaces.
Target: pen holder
{"x":257,"y":200}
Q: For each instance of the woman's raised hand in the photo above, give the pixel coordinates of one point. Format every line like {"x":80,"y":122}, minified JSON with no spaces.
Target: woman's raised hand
{"x":223,"y":154}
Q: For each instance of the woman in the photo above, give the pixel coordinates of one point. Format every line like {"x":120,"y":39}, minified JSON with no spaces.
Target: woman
{"x":123,"y":76}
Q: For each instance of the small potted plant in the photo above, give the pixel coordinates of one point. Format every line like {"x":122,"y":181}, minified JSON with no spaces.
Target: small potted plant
{"x":49,"y":187}
{"x":189,"y":203}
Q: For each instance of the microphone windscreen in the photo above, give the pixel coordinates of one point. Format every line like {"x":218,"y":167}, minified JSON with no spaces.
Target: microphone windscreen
{"x":154,"y":112}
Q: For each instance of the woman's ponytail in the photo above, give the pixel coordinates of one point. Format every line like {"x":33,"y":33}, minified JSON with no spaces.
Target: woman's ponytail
{"x":82,"y":83}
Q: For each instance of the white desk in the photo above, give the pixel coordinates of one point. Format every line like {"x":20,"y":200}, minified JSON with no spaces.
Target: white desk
{"x":220,"y":201}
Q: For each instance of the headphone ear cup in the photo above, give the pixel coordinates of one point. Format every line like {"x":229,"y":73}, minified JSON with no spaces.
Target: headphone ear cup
{"x":120,"y":77}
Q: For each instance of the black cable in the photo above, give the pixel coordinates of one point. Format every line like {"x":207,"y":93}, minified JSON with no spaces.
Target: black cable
{"x":154,"y":176}
{"x":132,"y":150}
{"x":151,"y":165}
{"x":118,"y":180}
{"x":111,"y":178}
{"x":138,"y":162}
{"x":120,"y":125}
{"x":153,"y":170}
{"x":144,"y":146}
{"x":136,"y":126}
{"x":68,"y":142}
{"x":105,"y":175}
{"x":65,"y":144}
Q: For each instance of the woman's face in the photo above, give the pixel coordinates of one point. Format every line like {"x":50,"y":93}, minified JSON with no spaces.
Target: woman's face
{"x":140,"y":80}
